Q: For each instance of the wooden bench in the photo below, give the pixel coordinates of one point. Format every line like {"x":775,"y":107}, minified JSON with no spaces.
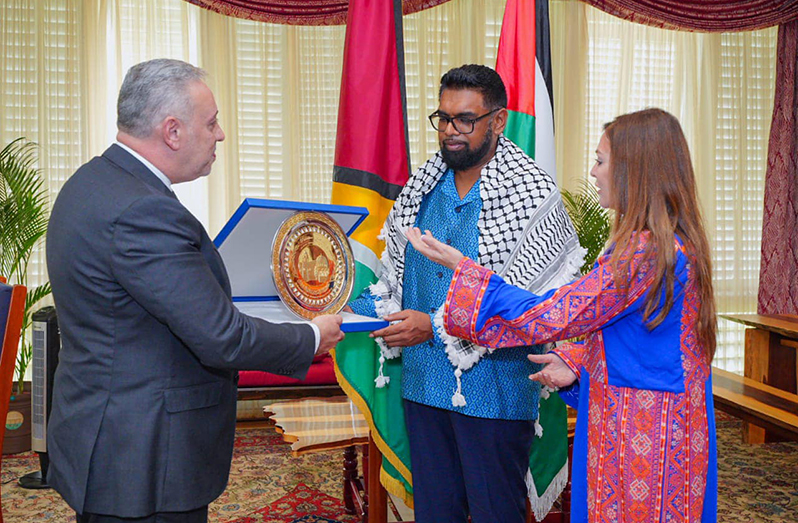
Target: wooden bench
{"x":768,"y":407}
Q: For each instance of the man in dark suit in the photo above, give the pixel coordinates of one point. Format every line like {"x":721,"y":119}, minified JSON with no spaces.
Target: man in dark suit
{"x":143,"y":414}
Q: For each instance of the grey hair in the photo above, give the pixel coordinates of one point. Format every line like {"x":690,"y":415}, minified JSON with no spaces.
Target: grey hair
{"x":152,"y":91}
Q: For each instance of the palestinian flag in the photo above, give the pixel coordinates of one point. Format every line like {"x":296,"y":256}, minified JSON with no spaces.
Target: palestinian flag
{"x":524,"y":63}
{"x":371,"y":166}
{"x":525,"y":41}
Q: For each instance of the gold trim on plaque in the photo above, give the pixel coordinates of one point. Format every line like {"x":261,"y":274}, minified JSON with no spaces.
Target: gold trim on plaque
{"x":312,"y":264}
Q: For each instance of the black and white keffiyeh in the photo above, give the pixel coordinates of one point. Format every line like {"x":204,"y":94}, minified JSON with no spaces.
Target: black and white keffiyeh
{"x":526,"y":237}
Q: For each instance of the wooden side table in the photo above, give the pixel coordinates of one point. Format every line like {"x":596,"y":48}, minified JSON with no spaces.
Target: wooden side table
{"x":771,"y":345}
{"x":313,"y":424}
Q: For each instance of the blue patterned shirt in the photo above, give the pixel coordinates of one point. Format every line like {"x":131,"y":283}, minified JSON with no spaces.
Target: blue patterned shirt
{"x":497,"y":387}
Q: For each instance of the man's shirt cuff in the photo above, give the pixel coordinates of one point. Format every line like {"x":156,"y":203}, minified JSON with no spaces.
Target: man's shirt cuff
{"x":317,"y":335}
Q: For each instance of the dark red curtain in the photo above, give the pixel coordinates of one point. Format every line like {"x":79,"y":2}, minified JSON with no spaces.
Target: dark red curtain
{"x":778,"y":274}
{"x":702,"y":15}
{"x":297,"y":12}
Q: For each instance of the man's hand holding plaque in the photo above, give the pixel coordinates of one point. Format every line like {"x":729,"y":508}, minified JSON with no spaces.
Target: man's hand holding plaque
{"x":408,"y":328}
{"x":330,"y":331}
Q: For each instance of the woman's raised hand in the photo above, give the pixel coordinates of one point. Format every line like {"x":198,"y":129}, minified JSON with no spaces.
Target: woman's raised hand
{"x":436,"y":251}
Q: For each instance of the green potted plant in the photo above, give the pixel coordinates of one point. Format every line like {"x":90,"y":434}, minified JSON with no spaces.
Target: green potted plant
{"x":591,"y":221}
{"x":23,"y":222}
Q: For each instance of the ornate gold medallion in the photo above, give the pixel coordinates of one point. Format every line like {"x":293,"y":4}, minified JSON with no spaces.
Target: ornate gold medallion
{"x":312,"y":264}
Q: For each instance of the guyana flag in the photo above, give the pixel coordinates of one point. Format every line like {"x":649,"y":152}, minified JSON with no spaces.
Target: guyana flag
{"x":371,"y":166}
{"x":524,"y":63}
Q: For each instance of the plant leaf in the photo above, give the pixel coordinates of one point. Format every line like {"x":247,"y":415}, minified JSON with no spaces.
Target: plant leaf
{"x":590,"y":219}
{"x":23,"y":208}
{"x":23,"y":223}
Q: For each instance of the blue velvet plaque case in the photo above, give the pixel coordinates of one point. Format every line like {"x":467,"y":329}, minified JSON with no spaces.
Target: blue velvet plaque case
{"x":245,"y":244}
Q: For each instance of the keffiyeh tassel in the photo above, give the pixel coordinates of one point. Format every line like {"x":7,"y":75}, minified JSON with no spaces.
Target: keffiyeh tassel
{"x":381,"y":380}
{"x":538,"y":426}
{"x":458,"y":400}
{"x":461,"y":359}
{"x":384,"y":305}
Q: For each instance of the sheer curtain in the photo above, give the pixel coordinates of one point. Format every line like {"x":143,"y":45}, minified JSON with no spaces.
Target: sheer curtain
{"x":720,"y":86}
{"x":41,"y":91}
{"x":277,"y":88}
{"x":277,"y":91}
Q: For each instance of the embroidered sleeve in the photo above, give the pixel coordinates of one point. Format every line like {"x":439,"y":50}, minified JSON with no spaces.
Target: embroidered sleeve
{"x":482,"y":308}
{"x":573,"y":354}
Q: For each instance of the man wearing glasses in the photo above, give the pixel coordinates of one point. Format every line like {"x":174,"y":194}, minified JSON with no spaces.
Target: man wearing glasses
{"x":470,"y":415}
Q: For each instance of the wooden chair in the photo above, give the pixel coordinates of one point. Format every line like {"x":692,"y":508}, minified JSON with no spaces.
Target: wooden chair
{"x":12,"y":309}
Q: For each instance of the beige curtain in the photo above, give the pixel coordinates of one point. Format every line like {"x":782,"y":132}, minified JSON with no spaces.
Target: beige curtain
{"x":277,"y":91}
{"x":720,"y":86}
{"x":278,"y":87}
{"x":42,"y":92}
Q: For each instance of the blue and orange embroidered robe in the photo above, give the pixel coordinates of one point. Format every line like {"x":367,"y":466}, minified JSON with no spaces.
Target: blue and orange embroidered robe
{"x":644,"y":449}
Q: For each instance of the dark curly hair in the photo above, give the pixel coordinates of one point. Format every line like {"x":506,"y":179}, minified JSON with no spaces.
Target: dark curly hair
{"x":478,"y":78}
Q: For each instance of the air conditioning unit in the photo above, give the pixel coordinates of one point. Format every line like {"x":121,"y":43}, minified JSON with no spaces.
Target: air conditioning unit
{"x":46,"y":344}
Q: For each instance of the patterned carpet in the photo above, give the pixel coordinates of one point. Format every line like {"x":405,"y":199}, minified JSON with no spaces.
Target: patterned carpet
{"x":757,"y":484}
{"x":267,"y":485}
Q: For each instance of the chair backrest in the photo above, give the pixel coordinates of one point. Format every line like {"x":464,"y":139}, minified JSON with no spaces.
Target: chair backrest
{"x":12,"y":310}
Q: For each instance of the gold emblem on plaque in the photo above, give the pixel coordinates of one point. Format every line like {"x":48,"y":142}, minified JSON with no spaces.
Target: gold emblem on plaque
{"x":312,"y":264}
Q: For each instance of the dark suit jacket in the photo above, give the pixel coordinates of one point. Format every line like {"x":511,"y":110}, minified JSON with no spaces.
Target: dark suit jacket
{"x":143,"y":413}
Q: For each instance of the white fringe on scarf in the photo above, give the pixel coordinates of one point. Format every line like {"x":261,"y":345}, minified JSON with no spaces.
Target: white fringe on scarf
{"x":541,"y":505}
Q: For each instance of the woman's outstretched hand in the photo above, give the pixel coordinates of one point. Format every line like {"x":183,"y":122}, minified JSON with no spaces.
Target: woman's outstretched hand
{"x":436,"y":251}
{"x":554,"y":374}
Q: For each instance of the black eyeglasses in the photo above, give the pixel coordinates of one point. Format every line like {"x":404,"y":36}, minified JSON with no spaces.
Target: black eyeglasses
{"x":462,"y":124}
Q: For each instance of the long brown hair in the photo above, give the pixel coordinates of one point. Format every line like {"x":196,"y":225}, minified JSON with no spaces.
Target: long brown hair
{"x":653,"y":189}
